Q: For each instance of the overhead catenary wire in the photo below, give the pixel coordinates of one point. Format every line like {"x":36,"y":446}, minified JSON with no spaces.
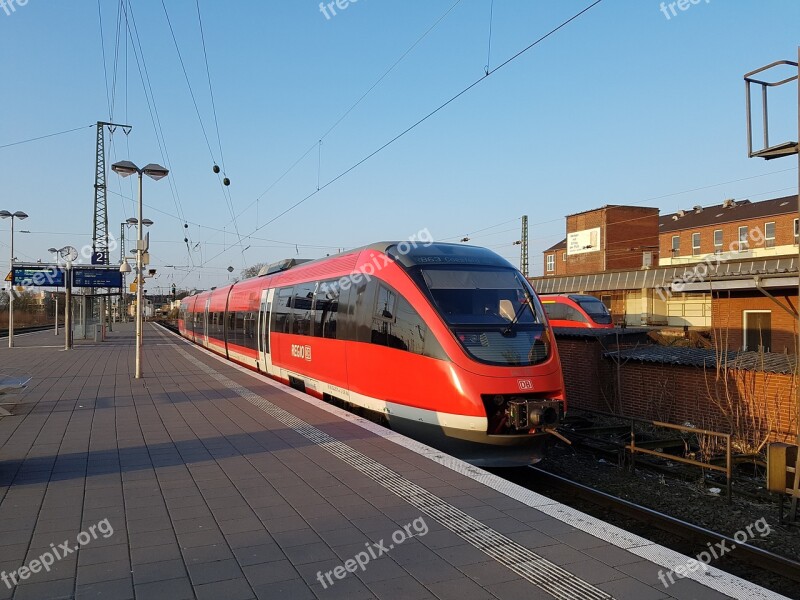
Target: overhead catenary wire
{"x":133,"y":33}
{"x":489,"y":51}
{"x":424,"y":119}
{"x":225,"y":193}
{"x":353,"y":106}
{"x":49,"y":135}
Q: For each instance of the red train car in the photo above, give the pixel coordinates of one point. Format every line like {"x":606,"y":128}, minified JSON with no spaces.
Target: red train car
{"x":445,"y":343}
{"x":576,"y":310}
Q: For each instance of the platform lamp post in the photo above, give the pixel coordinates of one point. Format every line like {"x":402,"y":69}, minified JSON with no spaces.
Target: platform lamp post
{"x":126,"y":168}
{"x":131,"y":222}
{"x":4,"y":214}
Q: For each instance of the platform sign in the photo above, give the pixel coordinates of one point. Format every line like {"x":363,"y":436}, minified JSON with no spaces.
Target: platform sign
{"x":38,"y":275}
{"x":94,"y":277}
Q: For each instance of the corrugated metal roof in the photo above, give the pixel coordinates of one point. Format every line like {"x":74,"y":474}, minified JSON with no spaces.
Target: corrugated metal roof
{"x":768,"y":362}
{"x":663,"y":277}
{"x":717,"y":214}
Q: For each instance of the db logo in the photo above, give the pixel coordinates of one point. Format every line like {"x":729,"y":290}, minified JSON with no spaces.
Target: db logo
{"x":299,"y":351}
{"x":525,"y":384}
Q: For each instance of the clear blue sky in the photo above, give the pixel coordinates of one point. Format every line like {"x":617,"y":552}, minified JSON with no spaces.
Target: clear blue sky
{"x":621,"y":106}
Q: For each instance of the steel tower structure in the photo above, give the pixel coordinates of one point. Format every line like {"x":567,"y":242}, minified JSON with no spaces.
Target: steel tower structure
{"x":523,"y":252}
{"x":100,"y":230}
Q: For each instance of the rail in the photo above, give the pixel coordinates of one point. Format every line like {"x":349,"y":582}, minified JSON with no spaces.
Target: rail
{"x":763,"y":559}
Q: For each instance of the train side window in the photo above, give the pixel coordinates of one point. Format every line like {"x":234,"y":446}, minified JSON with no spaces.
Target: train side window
{"x":362,"y":296}
{"x":563,"y":312}
{"x":282,"y":310}
{"x":383,"y":318}
{"x":326,"y":307}
{"x":248,"y":333}
{"x":398,"y":325}
{"x":301,"y":308}
{"x":385,"y":307}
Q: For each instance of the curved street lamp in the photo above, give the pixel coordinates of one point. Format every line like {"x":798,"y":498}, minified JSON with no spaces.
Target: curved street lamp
{"x":126,"y":168}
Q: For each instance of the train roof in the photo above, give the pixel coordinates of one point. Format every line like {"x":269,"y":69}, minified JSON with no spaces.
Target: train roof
{"x":406,"y":253}
{"x":409,"y":254}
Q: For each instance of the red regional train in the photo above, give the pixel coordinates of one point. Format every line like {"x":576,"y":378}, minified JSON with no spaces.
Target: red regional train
{"x":445,"y":343}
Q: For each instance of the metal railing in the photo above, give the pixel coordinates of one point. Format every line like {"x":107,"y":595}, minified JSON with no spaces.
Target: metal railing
{"x":727,"y":469}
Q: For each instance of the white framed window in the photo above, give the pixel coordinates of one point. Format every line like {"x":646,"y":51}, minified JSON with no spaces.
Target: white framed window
{"x":718,"y":240}
{"x":676,"y":245}
{"x":769,"y":235}
{"x":551,"y":263}
{"x":564,"y":257}
{"x":743,"y":245}
{"x":695,"y":244}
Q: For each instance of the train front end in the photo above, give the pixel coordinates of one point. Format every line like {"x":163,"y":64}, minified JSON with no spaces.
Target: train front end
{"x":503,"y":359}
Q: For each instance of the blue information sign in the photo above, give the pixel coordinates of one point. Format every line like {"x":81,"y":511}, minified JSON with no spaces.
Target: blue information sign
{"x":96,"y":278}
{"x":44,"y":276}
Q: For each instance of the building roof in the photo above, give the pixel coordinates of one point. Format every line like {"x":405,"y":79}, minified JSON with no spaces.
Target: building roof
{"x":769,"y":362}
{"x":612,"y":206}
{"x":727,"y":212}
{"x":730,"y":274}
{"x":562,"y":245}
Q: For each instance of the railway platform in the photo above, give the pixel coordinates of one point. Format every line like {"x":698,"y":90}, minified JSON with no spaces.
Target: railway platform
{"x":204,"y":480}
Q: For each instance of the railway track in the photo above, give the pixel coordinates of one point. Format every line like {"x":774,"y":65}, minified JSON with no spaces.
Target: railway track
{"x":747,"y":561}
{"x":34,"y":329}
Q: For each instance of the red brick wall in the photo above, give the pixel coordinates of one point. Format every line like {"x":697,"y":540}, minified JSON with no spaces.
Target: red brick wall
{"x":744,"y":403}
{"x":784,"y":235}
{"x":727,"y":318}
{"x":560,"y":265}
{"x":589,"y":262}
{"x":630,"y":230}
{"x":625,"y":233}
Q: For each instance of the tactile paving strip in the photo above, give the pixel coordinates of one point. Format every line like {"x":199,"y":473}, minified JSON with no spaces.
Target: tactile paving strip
{"x":542,"y":573}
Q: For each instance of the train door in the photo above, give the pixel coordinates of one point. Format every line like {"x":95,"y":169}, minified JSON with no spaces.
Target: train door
{"x":264,"y":314}
{"x":205,"y":322}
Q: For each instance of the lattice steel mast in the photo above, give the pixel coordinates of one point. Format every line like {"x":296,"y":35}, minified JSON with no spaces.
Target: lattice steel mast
{"x":100,"y":231}
{"x":523,"y":252}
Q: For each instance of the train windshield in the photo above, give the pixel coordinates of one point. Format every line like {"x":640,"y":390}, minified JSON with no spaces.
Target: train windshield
{"x":492,"y":312}
{"x":595,"y":309}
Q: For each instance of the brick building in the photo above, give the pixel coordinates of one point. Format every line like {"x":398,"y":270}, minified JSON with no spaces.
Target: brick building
{"x":733,"y":230}
{"x":555,"y":259}
{"x":730,"y":267}
{"x":607,"y":238}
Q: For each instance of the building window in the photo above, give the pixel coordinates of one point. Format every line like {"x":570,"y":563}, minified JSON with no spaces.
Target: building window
{"x":757,"y":331}
{"x":676,"y":245}
{"x":551,"y":263}
{"x":769,"y":235}
{"x":718,"y":241}
{"x":695,"y":244}
{"x":564,"y":257}
{"x":796,"y":231}
{"x":743,"y":245}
